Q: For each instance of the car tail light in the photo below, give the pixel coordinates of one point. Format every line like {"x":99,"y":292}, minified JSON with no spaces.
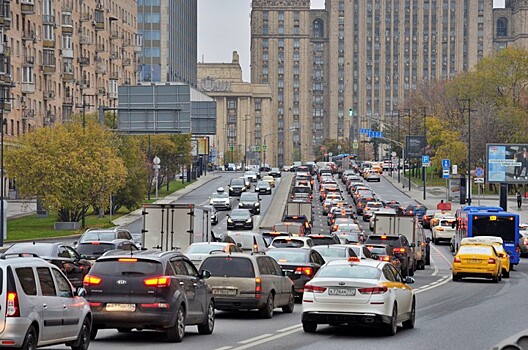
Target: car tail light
{"x":12,"y":308}
{"x":373,"y":290}
{"x":314,"y":289}
{"x":517,"y":249}
{"x":91,"y":280}
{"x":305,"y":270}
{"x":457,"y":259}
{"x":127,"y":260}
{"x":258,"y":287}
{"x":526,"y":241}
{"x":96,"y":242}
{"x":354,"y":259}
{"x":384,"y":258}
{"x":94,"y":304}
{"x":491,"y":261}
{"x":439,"y":228}
{"x":156,"y":305}
{"x":399,"y":250}
{"x":159,"y":281}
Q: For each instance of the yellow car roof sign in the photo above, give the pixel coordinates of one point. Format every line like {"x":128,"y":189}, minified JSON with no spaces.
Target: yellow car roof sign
{"x":486,"y":240}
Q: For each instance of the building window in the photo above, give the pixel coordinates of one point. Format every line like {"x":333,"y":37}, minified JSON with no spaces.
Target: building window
{"x":27,"y":75}
{"x":318,"y":30}
{"x":502,"y":27}
{"x":231,"y":104}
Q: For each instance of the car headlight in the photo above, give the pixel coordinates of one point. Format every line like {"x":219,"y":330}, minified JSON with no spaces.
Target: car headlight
{"x":240,"y":205}
{"x":249,"y":220}
{"x":230,"y":220}
{"x":257,"y":204}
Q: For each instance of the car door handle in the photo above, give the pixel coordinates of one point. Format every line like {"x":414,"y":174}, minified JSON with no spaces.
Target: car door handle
{"x":64,"y":307}
{"x":45,"y":305}
{"x":196,"y":285}
{"x":182,"y":283}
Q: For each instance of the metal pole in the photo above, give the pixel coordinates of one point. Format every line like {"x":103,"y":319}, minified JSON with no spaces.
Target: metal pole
{"x":401,"y":147}
{"x":409,"y":175}
{"x":148,"y":182}
{"x":469,"y":151}
{"x":3,"y":122}
{"x":424,"y":173}
{"x":83,"y":220}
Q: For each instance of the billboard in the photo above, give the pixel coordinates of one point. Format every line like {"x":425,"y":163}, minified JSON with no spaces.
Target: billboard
{"x":507,"y":163}
{"x":414,"y":146}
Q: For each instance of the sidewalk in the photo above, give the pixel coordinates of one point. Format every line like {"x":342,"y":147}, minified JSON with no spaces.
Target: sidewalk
{"x":434,"y":194}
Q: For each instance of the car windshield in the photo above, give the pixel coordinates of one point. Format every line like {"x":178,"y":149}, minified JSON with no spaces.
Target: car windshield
{"x":240,"y":214}
{"x":98,"y":236}
{"x":203,"y":248}
{"x":228,"y":267}
{"x":349,"y":271}
{"x":237,"y":182}
{"x":94,"y":250}
{"x":249,"y":197}
{"x":333,"y":252}
{"x":220,"y":195}
{"x":283,"y":256}
{"x":262,"y":184}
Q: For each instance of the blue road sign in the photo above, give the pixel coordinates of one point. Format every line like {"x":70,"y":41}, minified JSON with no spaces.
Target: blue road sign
{"x":445,"y":173}
{"x":370,"y":133}
{"x":425,"y":159}
{"x":446,"y":163}
{"x":479,"y":172}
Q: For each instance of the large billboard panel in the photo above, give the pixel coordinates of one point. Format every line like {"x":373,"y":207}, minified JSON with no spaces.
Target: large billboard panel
{"x":414,"y":146}
{"x":507,"y":163}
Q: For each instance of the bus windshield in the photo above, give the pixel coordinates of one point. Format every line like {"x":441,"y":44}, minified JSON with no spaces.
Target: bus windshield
{"x":499,"y":226}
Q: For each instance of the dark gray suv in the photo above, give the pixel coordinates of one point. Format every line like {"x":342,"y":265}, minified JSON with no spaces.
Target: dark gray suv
{"x":149,"y":290}
{"x":250,"y":201}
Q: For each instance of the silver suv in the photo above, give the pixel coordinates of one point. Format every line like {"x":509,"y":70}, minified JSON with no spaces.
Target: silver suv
{"x":109,"y":234}
{"x":39,"y":306}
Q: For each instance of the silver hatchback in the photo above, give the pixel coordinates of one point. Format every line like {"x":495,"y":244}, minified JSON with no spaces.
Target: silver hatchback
{"x":41,"y":306}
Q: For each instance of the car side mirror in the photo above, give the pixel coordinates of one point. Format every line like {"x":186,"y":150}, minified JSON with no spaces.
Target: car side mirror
{"x":239,"y":245}
{"x":501,"y":255}
{"x":412,"y":245}
{"x":409,"y":280}
{"x":285,"y":273}
{"x":80,"y":292}
{"x":75,"y":243}
{"x":205,"y":274}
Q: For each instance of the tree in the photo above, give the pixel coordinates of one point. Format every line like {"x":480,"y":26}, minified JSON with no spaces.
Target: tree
{"x":69,"y":167}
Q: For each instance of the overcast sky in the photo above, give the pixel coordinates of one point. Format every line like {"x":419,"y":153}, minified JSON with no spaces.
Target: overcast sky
{"x":223,"y":27}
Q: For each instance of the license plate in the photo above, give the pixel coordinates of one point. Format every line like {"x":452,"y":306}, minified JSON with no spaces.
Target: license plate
{"x":342,"y":291}
{"x":121,"y":307}
{"x":473,"y":261}
{"x":224,"y":291}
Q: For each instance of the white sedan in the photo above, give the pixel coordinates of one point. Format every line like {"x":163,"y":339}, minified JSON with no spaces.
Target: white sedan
{"x":366,"y":293}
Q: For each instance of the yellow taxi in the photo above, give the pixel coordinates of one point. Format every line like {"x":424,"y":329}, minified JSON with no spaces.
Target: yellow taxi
{"x":269,"y":179}
{"x":477,"y":260}
{"x":497,"y":243}
{"x":377,"y":168}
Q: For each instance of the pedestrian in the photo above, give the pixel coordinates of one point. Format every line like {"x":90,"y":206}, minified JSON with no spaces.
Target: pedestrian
{"x":519,"y":199}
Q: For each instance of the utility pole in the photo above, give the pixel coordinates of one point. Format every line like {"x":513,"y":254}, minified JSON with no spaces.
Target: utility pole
{"x":401,"y":147}
{"x":424,"y":172}
{"x":245,"y":140}
{"x":469,"y":110}
{"x":3,"y":123}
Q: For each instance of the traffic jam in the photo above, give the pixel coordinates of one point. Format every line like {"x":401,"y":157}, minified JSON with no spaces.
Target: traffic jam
{"x":354,"y":265}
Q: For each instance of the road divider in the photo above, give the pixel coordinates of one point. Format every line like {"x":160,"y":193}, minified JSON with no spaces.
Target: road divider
{"x":278,"y":203}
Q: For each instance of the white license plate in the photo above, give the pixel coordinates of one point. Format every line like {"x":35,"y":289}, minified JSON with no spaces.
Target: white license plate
{"x":342,"y":291}
{"x":224,"y":291}
{"x":121,"y":307}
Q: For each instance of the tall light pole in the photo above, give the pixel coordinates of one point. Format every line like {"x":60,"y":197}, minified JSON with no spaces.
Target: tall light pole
{"x":467,"y":108}
{"x":407,"y":112}
{"x":424,"y":173}
{"x":3,"y":99}
{"x":401,"y":151}
{"x":245,"y":140}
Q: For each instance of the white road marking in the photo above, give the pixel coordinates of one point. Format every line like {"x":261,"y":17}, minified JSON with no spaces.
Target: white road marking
{"x":254,"y":339}
{"x":440,"y":282}
{"x":289,"y":328}
{"x":266,"y":340}
{"x":436,"y":270}
{"x":224,"y":348}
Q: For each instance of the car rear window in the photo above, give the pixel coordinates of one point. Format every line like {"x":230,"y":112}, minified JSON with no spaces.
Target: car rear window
{"x":246,"y":241}
{"x":228,"y":266}
{"x":130,"y":266}
{"x":301,"y":189}
{"x":203,"y":248}
{"x":323,"y":240}
{"x":90,"y":249}
{"x":472,"y":249}
{"x":287,"y":243}
{"x":38,"y":249}
{"x":349,"y":271}
{"x":338,"y":252}
{"x":283,"y":256}
{"x":393,"y":241}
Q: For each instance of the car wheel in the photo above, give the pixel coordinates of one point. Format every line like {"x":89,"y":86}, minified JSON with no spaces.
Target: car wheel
{"x":30,"y":341}
{"x":505,"y":273}
{"x":208,"y":326}
{"x":309,"y":327}
{"x":495,"y":279}
{"x":83,"y":340}
{"x":176,"y":333}
{"x":409,"y":324}
{"x":267,"y":310}
{"x":288,"y":308}
{"x":93,"y":332}
{"x":456,"y":278}
{"x":392,"y":327}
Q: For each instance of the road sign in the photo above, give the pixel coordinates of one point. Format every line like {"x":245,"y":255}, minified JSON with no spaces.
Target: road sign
{"x":445,"y":173}
{"x":355,"y":145}
{"x":330,"y":154}
{"x":446,"y":163}
{"x":257,"y":148}
{"x":264,"y":147}
{"x":479,"y":180}
{"x":454,"y":170}
{"x":425,"y":160}
{"x":479,"y":172}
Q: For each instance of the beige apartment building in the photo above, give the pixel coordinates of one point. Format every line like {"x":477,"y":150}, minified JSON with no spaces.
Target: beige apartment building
{"x":359,"y":55}
{"x":244,"y":122}
{"x":65,"y":55}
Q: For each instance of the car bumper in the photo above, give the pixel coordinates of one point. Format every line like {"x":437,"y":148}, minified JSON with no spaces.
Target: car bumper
{"x":362,"y":318}
{"x":243,"y":226}
{"x":15,"y":330}
{"x":151,"y":318}
{"x":222,"y":303}
{"x":221,"y":206}
{"x":475,"y":272}
{"x":444,"y":235}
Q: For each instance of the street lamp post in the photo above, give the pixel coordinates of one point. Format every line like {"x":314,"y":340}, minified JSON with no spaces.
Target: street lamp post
{"x":2,"y":189}
{"x":407,"y":112}
{"x":245,"y":140}
{"x":469,"y":110}
{"x":424,"y":173}
{"x":401,"y":151}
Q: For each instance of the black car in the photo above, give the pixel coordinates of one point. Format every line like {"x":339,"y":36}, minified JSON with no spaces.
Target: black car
{"x":250,"y":201}
{"x":93,"y":250}
{"x":299,"y":264}
{"x":149,"y":290}
{"x":236,"y":187}
{"x":400,"y":248}
{"x":301,"y":219}
{"x":74,"y":266}
{"x":240,"y":219}
{"x":263,"y":187}
{"x":275,"y":172}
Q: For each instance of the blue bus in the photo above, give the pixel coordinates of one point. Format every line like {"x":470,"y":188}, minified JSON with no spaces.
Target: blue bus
{"x":474,"y":221}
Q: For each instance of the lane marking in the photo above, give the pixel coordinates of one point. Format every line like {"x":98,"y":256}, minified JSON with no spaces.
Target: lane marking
{"x":445,"y":280}
{"x":255,"y":338}
{"x":224,"y":348}
{"x":289,"y":328}
{"x":266,"y":340}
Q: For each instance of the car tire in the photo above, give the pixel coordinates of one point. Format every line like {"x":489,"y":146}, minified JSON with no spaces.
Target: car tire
{"x":93,"y":332}
{"x":309,"y":327}
{"x":176,"y":333}
{"x":505,"y":273}
{"x":392,"y":327}
{"x":288,"y":308}
{"x":496,"y":279}
{"x":267,"y":311}
{"x":83,"y":340}
{"x":456,"y":278}
{"x":208,"y":326}
{"x":30,"y":340}
{"x":409,"y":324}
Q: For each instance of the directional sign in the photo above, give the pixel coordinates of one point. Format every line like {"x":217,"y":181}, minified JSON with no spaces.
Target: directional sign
{"x":355,"y":145}
{"x":257,"y":148}
{"x":264,"y":147}
{"x":446,"y":163}
{"x":445,"y":173}
{"x":479,"y":172}
{"x":479,"y":180}
{"x":425,"y":160}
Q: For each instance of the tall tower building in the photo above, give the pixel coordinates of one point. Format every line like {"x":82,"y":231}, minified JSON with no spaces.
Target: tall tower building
{"x":169,"y":30}
{"x":362,"y":56}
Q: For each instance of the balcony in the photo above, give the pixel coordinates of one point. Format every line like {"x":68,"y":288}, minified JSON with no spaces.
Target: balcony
{"x":114,"y":55}
{"x":28,"y":114}
{"x":67,"y":6}
{"x":114,"y":76}
{"x":67,"y":77}
{"x":85,"y":40}
{"x":67,"y":23}
{"x":114,"y":34}
{"x":127,"y":61}
{"x":83,"y":84}
{"x":48,"y":20}
{"x":67,"y":53}
{"x":29,"y":61}
{"x":99,"y":19}
{"x":100,"y":69}
{"x":97,"y":58}
{"x":112,"y":95}
{"x":7,"y":106}
{"x":67,"y":101}
{"x":29,"y":35}
{"x":48,"y":68}
{"x":49,"y":42}
{"x":49,"y":95}
{"x":27,"y":7}
{"x":28,"y":88}
{"x":49,"y":119}
{"x":84,"y":61}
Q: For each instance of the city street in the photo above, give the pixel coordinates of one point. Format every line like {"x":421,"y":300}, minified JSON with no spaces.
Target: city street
{"x":447,"y":312}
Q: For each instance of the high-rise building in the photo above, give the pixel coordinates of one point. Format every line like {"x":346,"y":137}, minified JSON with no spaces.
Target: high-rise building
{"x":63,"y":57}
{"x":362,"y":56}
{"x":169,"y":30}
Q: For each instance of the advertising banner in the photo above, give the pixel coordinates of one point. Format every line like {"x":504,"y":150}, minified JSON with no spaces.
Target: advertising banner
{"x":414,"y":146}
{"x":507,"y":163}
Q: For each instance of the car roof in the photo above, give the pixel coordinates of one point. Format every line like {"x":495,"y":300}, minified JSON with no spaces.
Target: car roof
{"x":374,"y":263}
{"x":148,"y":254}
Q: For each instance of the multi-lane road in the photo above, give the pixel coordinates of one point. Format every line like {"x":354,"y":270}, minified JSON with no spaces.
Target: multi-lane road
{"x":473,"y":314}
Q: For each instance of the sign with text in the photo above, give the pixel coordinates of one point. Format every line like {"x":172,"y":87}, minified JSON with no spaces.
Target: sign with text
{"x":414,"y":146}
{"x":507,"y":163}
